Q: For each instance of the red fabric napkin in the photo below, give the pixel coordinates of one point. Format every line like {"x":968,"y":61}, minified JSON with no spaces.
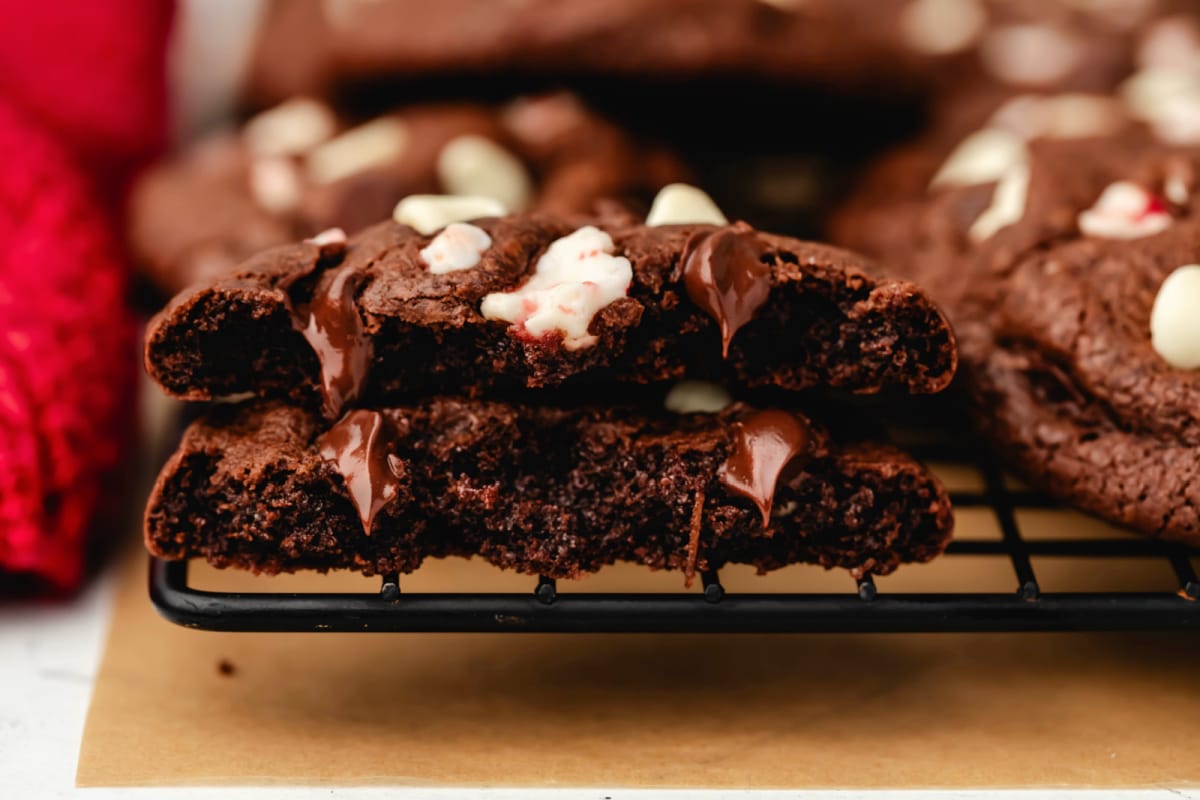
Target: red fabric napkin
{"x":82,"y":103}
{"x":93,"y":74}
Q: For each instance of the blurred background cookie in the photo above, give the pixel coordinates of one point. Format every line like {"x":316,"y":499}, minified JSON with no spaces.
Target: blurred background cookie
{"x":296,"y":169}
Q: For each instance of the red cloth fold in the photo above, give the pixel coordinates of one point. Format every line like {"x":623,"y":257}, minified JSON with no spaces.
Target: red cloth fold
{"x":82,"y":103}
{"x":67,"y":357}
{"x":93,"y":75}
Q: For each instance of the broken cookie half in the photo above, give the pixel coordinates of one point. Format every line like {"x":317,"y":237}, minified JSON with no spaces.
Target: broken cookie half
{"x":534,"y":301}
{"x":542,"y":490}
{"x":454,"y":383}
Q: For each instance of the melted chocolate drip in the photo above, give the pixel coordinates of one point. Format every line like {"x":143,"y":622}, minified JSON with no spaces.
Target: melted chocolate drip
{"x":725,"y":276}
{"x":334,"y":329}
{"x":765,"y":444}
{"x":357,"y":446}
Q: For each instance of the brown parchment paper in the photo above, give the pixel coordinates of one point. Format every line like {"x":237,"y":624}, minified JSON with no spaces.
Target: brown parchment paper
{"x":179,"y":707}
{"x":1103,"y":710}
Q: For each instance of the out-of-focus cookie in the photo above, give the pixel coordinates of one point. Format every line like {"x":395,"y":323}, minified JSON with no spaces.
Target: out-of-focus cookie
{"x":1063,"y":237}
{"x":299,"y":168}
{"x":319,"y":46}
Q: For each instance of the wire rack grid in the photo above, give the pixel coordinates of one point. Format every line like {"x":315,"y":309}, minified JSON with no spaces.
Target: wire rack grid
{"x":863,"y":607}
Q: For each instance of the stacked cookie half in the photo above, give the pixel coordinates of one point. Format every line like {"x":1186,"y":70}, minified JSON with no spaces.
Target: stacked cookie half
{"x":549,"y":392}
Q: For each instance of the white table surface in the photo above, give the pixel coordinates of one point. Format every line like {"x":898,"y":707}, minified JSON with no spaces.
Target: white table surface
{"x":48,"y":659}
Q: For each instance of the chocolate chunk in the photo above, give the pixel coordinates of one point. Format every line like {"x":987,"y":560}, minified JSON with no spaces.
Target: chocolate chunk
{"x":725,"y":275}
{"x":335,"y":330}
{"x":542,"y":490}
{"x":358,"y":447}
{"x":765,"y":444}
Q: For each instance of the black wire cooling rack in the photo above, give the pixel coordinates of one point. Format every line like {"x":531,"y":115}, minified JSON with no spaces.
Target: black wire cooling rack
{"x":710,"y":608}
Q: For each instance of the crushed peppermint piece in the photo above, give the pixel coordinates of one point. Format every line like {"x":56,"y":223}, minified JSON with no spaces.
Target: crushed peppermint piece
{"x":574,"y":279}
{"x":1125,"y":211}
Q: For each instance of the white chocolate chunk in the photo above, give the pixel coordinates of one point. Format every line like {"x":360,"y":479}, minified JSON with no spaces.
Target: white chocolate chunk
{"x":368,"y":146}
{"x":291,"y":128}
{"x":541,"y":119}
{"x":1062,"y":116}
{"x":275,"y":184}
{"x":1179,"y":122}
{"x":1169,"y":100}
{"x":982,"y":157}
{"x":1171,"y":43}
{"x":1008,"y":204}
{"x":459,"y":246}
{"x":330,"y":236}
{"x":1125,"y":211}
{"x":1030,"y":54}
{"x":697,"y":397}
{"x":1148,"y":92}
{"x":575,"y":278}
{"x":429,"y":213}
{"x":941,"y":27}
{"x":680,"y":204}
{"x":475,"y":165}
{"x":1174,"y":323}
{"x":1176,"y":188}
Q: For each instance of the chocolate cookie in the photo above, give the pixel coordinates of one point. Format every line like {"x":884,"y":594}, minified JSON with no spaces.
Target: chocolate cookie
{"x":922,"y":205}
{"x":943,"y":221}
{"x":320,"y":47}
{"x":299,"y":168}
{"x":550,"y":491}
{"x":534,"y":301}
{"x":1089,"y":374}
{"x":1067,"y":265}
